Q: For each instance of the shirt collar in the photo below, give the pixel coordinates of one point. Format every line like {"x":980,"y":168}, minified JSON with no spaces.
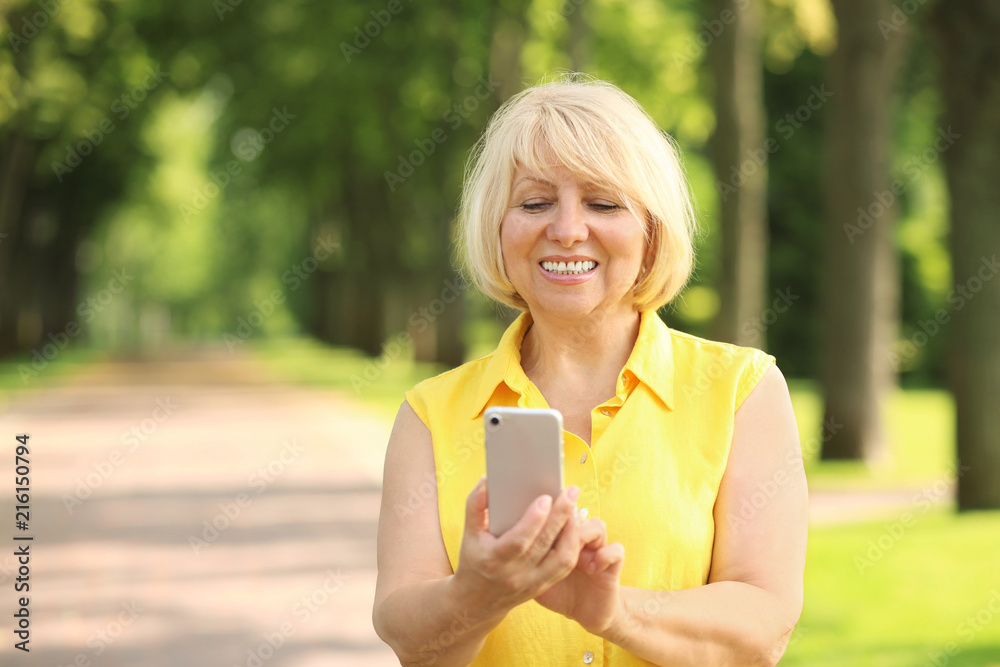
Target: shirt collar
{"x":651,"y":361}
{"x":652,"y":358}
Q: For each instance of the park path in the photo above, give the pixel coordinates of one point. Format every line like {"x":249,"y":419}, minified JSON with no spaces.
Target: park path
{"x":291,"y":475}
{"x":133,"y":463}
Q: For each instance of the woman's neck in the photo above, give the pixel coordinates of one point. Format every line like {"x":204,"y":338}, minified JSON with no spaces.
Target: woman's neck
{"x":593,"y":349}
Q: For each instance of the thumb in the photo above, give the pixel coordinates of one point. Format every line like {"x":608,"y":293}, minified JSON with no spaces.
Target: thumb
{"x":476,"y":519}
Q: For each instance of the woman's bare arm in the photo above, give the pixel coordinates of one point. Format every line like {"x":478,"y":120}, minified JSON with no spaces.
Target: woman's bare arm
{"x":414,"y":602}
{"x":746,"y":613}
{"x":424,"y":611}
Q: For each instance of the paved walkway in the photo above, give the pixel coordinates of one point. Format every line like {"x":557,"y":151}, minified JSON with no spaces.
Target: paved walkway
{"x":129,"y":464}
{"x":199,"y":513}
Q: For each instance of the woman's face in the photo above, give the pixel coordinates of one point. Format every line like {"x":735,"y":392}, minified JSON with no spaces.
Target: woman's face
{"x":554,"y":218}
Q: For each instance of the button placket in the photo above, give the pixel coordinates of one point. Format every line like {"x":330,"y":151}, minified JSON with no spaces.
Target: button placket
{"x":580,"y":469}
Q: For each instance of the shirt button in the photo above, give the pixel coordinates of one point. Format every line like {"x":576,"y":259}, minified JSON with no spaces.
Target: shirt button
{"x":583,"y":457}
{"x":588,"y":657}
{"x":605,"y":412}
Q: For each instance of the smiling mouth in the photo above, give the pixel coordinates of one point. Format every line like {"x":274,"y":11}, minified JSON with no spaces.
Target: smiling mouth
{"x":569,"y":268}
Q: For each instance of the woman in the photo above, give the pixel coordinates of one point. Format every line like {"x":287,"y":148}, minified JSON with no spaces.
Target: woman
{"x":680,"y":536}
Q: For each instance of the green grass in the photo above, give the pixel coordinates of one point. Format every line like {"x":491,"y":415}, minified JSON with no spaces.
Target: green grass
{"x":921,"y":441}
{"x":909,"y":601}
{"x":379,"y":383}
{"x":17,"y":373}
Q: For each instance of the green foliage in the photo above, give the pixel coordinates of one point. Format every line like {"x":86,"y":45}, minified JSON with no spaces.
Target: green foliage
{"x":198,"y":194}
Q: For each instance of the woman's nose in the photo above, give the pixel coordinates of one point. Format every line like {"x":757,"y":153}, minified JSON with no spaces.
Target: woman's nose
{"x":568,"y":226}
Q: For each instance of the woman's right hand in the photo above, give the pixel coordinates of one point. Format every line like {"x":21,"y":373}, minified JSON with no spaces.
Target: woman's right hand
{"x":495,"y":574}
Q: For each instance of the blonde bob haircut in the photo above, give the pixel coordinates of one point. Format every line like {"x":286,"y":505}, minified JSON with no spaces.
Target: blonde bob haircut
{"x":601,"y":135}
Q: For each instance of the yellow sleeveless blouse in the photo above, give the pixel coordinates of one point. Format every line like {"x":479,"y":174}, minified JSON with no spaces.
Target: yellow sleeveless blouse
{"x":659,"y":450}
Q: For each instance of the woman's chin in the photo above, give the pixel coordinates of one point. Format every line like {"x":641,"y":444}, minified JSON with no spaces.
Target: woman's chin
{"x":569,"y":307}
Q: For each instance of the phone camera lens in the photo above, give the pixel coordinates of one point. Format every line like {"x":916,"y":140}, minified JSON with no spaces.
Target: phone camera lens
{"x":494,"y":420}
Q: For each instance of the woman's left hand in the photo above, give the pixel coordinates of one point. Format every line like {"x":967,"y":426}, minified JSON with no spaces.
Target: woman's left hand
{"x":591,"y":593}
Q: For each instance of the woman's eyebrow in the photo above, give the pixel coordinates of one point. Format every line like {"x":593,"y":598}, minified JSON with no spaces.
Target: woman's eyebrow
{"x":536,"y":180}
{"x":586,"y":186}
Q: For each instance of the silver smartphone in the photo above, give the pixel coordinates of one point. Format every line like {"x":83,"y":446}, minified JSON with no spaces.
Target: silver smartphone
{"x":524,"y":459}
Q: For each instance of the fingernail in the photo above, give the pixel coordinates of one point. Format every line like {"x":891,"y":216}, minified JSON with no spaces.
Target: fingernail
{"x":544,"y":503}
{"x":574,"y":493}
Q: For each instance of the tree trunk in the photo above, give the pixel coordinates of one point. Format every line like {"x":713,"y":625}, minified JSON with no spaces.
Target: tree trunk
{"x":579,"y":34}
{"x":448,"y":327}
{"x":859,"y":307}
{"x":16,"y":160}
{"x":969,"y":51}
{"x":509,"y":28}
{"x":735,"y":60}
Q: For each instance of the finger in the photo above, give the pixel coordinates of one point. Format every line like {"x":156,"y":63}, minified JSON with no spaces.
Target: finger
{"x":610,"y":558}
{"x":520,"y":538}
{"x":475,"y":508}
{"x":560,"y":560}
{"x":593,"y":533}
{"x":561,"y":514}
{"x":586,"y":558}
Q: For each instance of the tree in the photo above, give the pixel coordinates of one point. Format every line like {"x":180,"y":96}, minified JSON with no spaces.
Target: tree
{"x":65,"y":152}
{"x":859,"y":292}
{"x":739,"y":157}
{"x":970,"y":81}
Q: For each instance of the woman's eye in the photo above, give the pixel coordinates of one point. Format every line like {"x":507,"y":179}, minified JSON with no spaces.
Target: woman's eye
{"x":603,"y":206}
{"x":534,"y":207}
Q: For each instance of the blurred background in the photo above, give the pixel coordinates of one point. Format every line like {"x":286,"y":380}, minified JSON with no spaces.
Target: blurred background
{"x":226,"y":250}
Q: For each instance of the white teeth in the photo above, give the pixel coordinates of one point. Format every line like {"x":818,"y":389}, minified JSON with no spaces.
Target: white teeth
{"x":569,"y":268}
